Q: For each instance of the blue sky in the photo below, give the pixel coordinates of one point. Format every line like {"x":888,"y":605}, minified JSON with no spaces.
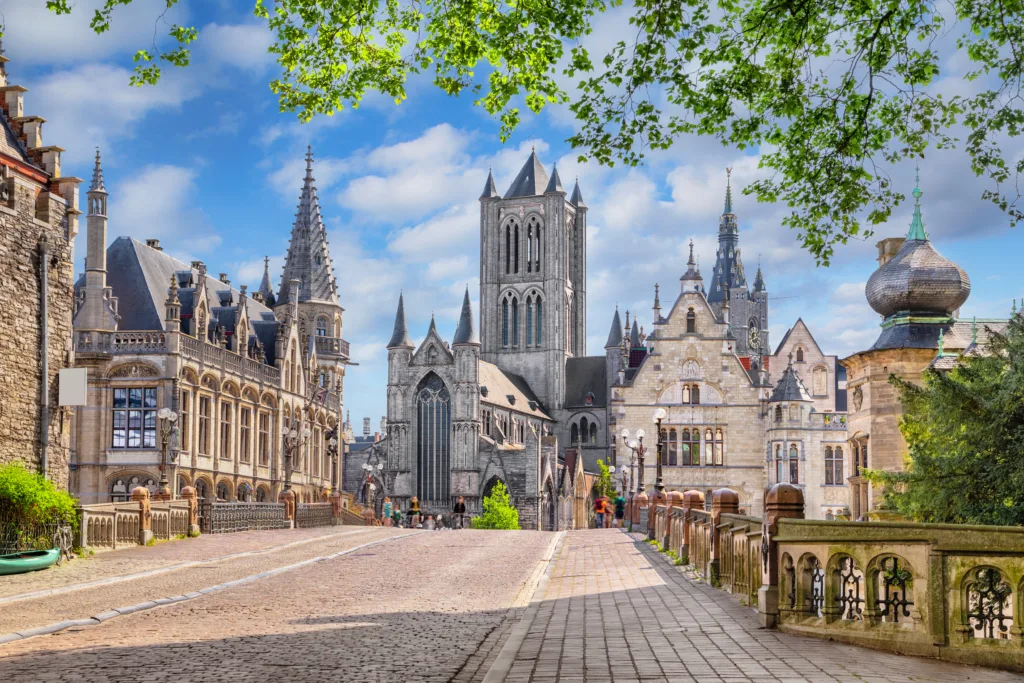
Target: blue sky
{"x":206,"y":163}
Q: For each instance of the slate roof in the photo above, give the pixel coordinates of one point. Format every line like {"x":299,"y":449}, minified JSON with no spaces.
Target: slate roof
{"x":531,"y":181}
{"x":555,"y":184}
{"x":465,"y":333}
{"x":790,"y":388}
{"x":586,"y":375}
{"x":577,"y":196}
{"x":501,"y":385}
{"x":956,"y":335}
{"x":615,"y":334}
{"x":9,"y":143}
{"x":400,"y":335}
{"x":490,"y":189}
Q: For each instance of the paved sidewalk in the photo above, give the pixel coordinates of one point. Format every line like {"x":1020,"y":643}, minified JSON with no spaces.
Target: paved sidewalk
{"x":616,"y":610}
{"x":133,"y":559}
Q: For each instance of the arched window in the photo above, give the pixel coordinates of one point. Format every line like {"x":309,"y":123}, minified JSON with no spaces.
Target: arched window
{"x":321,"y":326}
{"x":574,"y":433}
{"x":515,"y":256}
{"x":536,"y":247}
{"x":799,"y":355}
{"x":222,"y":491}
{"x":780,"y":465}
{"x":433,"y":462}
{"x":593,"y":432}
{"x":515,"y":321}
{"x":504,"y":322}
{"x":694,"y":448}
{"x":529,"y":321}
{"x":584,"y":428}
{"x":508,"y":249}
{"x":261,"y":495}
{"x":540,"y":322}
{"x":719,"y":448}
{"x":686,"y":455}
{"x":794,"y":464}
{"x":670,"y":446}
{"x":529,"y":248}
{"x":691,"y":322}
{"x":778,"y":413}
{"x":833,"y":466}
{"x":695,"y":395}
{"x":686,"y":394}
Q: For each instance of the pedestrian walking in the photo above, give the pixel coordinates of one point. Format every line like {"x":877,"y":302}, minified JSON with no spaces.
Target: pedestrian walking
{"x":599,"y":511}
{"x":460,"y":512}
{"x":386,"y":515}
{"x":620,"y":510}
{"x":396,"y":516}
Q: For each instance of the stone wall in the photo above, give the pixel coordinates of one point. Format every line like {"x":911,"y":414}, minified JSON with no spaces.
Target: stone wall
{"x":21,"y":328}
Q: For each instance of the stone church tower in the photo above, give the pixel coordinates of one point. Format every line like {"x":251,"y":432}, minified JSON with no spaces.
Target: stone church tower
{"x":533,"y":279}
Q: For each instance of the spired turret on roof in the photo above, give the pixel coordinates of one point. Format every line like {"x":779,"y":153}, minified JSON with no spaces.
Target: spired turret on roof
{"x":400,"y":335}
{"x":577,"y":196}
{"x":615,"y":335}
{"x":97,"y":176}
{"x":728,"y":274}
{"x":465,"y":333}
{"x":308,"y":258}
{"x":490,"y":189}
{"x":531,"y":181}
{"x":555,"y":184}
{"x":266,"y":290}
{"x":790,"y":387}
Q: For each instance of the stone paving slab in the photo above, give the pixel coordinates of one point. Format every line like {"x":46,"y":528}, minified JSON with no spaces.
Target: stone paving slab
{"x":134,"y":559}
{"x":433,"y":607}
{"x":615,"y":610}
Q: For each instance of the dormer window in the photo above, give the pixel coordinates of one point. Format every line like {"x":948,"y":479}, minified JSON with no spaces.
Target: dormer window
{"x":589,"y":400}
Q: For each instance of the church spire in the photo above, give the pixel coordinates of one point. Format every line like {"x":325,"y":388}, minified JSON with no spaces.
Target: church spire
{"x":266,"y":290}
{"x":615,"y":334}
{"x":465,"y":333}
{"x":728,"y":190}
{"x":917,"y":231}
{"x":577,"y":196}
{"x":400,"y":335}
{"x":97,"y":176}
{"x":657,"y":305}
{"x":308,"y":259}
{"x":490,"y":188}
{"x":555,"y":184}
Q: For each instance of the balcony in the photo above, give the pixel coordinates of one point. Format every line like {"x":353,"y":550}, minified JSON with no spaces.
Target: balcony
{"x":332,"y":347}
{"x":121,"y":343}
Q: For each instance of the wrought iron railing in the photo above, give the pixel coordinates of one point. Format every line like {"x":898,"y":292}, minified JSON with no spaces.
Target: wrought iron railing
{"x":223,"y":518}
{"x":313,"y":514}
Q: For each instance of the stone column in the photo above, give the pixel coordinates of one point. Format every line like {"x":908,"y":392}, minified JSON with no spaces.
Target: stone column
{"x":780,"y":501}
{"x":692,"y":500}
{"x":640,"y":511}
{"x":140,"y":494}
{"x":722,"y":500}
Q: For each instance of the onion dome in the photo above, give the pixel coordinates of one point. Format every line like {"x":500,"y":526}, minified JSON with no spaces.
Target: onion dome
{"x":918,"y":280}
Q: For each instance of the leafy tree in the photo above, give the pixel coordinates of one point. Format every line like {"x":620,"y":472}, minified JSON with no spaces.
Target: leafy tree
{"x":603,"y":485}
{"x":965,"y":431}
{"x":832,"y":93}
{"x":498,"y":511}
{"x":29,"y":505}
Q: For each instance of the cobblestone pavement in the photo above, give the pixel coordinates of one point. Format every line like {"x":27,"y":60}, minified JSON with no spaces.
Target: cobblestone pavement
{"x":106,"y":564}
{"x":616,"y":610}
{"x":434,"y":606}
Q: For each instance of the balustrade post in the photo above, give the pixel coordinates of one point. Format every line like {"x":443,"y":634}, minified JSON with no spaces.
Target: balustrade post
{"x":288,"y":498}
{"x":336,"y":508}
{"x":722,"y":500}
{"x":692,"y":500}
{"x":675,"y":499}
{"x":189,"y":494}
{"x":140,"y":494}
{"x":780,"y":501}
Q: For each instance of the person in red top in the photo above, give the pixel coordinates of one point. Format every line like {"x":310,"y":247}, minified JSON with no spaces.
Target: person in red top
{"x":599,"y":511}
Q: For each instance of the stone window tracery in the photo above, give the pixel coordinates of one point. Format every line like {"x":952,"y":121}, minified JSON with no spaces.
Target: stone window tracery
{"x":833,"y":466}
{"x":434,"y":439}
{"x":794,"y":464}
{"x":134,"y":418}
{"x":321,"y":326}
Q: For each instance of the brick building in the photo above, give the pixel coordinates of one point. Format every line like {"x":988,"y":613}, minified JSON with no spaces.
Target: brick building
{"x":38,"y":224}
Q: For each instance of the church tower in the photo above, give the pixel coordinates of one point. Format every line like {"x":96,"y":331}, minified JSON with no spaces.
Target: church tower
{"x":533,"y":278}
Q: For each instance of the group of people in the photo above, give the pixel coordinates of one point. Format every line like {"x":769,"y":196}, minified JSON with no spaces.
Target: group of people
{"x":415,"y":519}
{"x":603,"y":509}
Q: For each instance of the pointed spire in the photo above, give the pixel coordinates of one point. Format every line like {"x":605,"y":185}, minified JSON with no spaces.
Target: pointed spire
{"x":657,"y":303}
{"x":728,"y":190}
{"x":266,"y":289}
{"x":759,"y":278}
{"x":555,"y":184}
{"x":308,"y":259}
{"x":400,"y":336}
{"x":433,"y":325}
{"x":97,"y":176}
{"x":531,"y":181}
{"x":490,"y":189}
{"x":634,"y":335}
{"x":465,"y":333}
{"x":974,"y":330}
{"x":577,"y":196}
{"x":172,"y":291}
{"x":942,"y":344}
{"x":917,"y":231}
{"x":615,"y":334}
{"x":692,"y":272}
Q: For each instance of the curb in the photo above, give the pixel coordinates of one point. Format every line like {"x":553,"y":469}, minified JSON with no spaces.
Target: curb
{"x":160,"y":602}
{"x":48,"y":592}
{"x":502,"y":665}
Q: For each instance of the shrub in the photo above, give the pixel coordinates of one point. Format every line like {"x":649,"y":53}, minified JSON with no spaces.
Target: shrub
{"x":30,"y":499}
{"x":498,"y":511}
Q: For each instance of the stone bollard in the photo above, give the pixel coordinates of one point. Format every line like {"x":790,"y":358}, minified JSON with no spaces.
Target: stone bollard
{"x":189,"y":494}
{"x":288,"y":498}
{"x":640,"y":512}
{"x":675,"y":499}
{"x":140,"y":494}
{"x":657,"y":498}
{"x":722,"y":500}
{"x":692,"y":500}
{"x":780,"y":501}
{"x":336,"y":508}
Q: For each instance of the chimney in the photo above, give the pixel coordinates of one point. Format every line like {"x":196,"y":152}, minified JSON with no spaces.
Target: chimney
{"x":224,"y":278}
{"x":376,"y":437}
{"x":888,"y":248}
{"x":196,"y":265}
{"x":14,"y":100}
{"x":154,"y":244}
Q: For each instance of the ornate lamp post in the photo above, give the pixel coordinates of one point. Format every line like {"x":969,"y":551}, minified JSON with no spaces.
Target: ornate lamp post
{"x":332,"y":451}
{"x":659,"y":485}
{"x":638,"y":450}
{"x":292,"y":441}
{"x":168,"y":419}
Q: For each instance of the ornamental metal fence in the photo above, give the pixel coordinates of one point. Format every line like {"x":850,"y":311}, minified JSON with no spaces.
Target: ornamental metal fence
{"x":313,"y":514}
{"x":226,"y":518}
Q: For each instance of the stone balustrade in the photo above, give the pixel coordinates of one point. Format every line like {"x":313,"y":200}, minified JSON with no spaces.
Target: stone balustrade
{"x":115,"y":525}
{"x":332,"y":347}
{"x":953,"y":592}
{"x":121,"y":343}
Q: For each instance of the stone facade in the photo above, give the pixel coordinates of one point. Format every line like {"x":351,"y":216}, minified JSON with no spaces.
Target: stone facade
{"x":38,"y":224}
{"x":240,"y":376}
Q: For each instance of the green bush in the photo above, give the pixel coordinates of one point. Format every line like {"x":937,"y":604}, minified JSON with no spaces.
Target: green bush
{"x":31,"y":500}
{"x":498,"y":511}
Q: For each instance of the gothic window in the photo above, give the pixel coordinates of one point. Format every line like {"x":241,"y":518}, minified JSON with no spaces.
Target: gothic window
{"x":535,"y":224}
{"x":225,"y":429}
{"x":504,"y":322}
{"x":574,"y":433}
{"x":833,"y":466}
{"x":529,"y":248}
{"x":508,"y":249}
{"x":515,"y":259}
{"x":799,"y":355}
{"x":222,"y":491}
{"x":794,"y":464}
{"x":691,"y":322}
{"x":321,"y":326}
{"x":134,"y":418}
{"x":584,"y":429}
{"x":794,"y":413}
{"x":515,"y":321}
{"x":244,"y":434}
{"x":695,"y":395}
{"x":780,"y":465}
{"x":819,"y":381}
{"x":204,"y":425}
{"x":670,"y":441}
{"x":529,"y":321}
{"x":263,"y":443}
{"x":719,"y":448}
{"x":778,"y":413}
{"x":540,"y":322}
{"x":686,"y":393}
{"x":593,"y":432}
{"x":185,"y":421}
{"x":709,"y":447}
{"x":433,"y":461}
{"x":568,"y":326}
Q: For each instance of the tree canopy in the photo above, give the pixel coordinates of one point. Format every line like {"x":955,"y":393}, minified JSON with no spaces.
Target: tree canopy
{"x":830,"y":93}
{"x":498,"y":511}
{"x":965,"y":431}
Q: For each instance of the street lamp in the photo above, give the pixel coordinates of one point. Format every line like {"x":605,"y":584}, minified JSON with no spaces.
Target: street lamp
{"x":292,"y":440}
{"x":659,"y":415}
{"x":332,"y":451}
{"x":638,"y":450}
{"x":167,"y":419}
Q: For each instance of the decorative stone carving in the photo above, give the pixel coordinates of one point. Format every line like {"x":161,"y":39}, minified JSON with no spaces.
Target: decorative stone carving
{"x":134,"y":370}
{"x":858,"y":398}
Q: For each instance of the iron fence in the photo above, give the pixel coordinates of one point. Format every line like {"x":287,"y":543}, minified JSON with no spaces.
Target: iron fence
{"x":225,"y":518}
{"x":312,"y":514}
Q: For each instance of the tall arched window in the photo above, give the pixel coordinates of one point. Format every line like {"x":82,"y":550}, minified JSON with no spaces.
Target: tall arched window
{"x":584,"y":429}
{"x":780,"y":465}
{"x":694,"y":448}
{"x":515,"y":321}
{"x":709,"y":447}
{"x":794,"y":464}
{"x":529,"y":321}
{"x":691,"y":321}
{"x":321,"y":326}
{"x":433,"y":409}
{"x":593,"y":432}
{"x":686,"y":394}
{"x":799,"y":355}
{"x":695,"y":395}
{"x":574,"y":433}
{"x":568,"y":327}
{"x":504,"y":322}
{"x":778,"y":413}
{"x":540,"y":322}
{"x":515,"y":259}
{"x":529,"y":248}
{"x":508,"y":249}
{"x":536,"y":247}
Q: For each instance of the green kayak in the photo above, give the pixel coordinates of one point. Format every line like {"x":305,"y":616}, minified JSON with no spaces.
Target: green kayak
{"x":28,"y":561}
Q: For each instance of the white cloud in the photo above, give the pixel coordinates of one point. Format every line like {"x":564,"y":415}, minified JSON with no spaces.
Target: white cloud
{"x":286,"y":179}
{"x":447,"y":268}
{"x":243,"y":46}
{"x":455,"y":229}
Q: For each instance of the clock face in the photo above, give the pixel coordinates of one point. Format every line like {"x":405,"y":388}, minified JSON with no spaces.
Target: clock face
{"x":754,"y":336}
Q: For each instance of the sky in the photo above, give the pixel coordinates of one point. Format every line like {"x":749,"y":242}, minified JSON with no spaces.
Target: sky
{"x":206,"y":162}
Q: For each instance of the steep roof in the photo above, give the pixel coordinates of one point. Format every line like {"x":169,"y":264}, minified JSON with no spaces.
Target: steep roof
{"x":308,"y":259}
{"x":790,"y":388}
{"x":615,"y":334}
{"x":555,"y":184}
{"x":490,"y":189}
{"x":400,"y":335}
{"x":266,"y":289}
{"x":586,"y":375}
{"x":509,"y":391}
{"x":531,"y":181}
{"x":577,"y":196}
{"x":465,"y":333}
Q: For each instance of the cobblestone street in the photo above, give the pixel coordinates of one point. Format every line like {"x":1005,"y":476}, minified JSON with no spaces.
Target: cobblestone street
{"x":432,"y":607}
